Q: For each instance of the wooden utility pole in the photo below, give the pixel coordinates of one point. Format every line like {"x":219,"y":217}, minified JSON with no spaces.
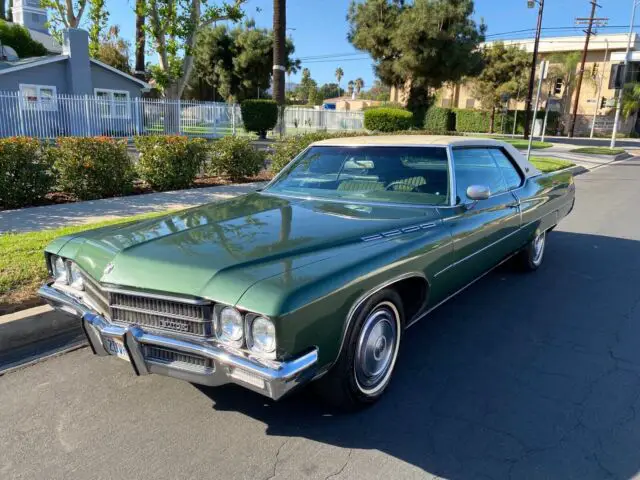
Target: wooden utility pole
{"x":589,"y":32}
{"x":279,"y":68}
{"x":534,"y":60}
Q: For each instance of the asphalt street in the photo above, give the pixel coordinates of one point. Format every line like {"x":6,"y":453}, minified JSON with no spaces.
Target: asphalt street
{"x":521,"y":376}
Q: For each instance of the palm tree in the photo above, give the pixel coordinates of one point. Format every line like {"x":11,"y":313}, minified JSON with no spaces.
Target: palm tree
{"x":359,"y":84}
{"x":339,"y":75}
{"x":279,"y":54}
{"x":630,"y":99}
{"x":564,"y":67}
{"x":140,"y":39}
{"x":350,"y":86}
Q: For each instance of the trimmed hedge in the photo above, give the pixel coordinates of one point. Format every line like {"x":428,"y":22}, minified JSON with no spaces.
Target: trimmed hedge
{"x":478,"y":121}
{"x":439,"y":120}
{"x":26,"y":171}
{"x":387,"y":119}
{"x":259,"y":116}
{"x":93,"y":167}
{"x":285,"y":150}
{"x":170,"y":162}
{"x":235,"y":157}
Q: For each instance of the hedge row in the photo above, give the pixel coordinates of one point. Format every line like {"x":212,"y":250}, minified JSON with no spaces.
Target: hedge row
{"x":440,"y":120}
{"x":387,"y":119}
{"x":99,"y":167}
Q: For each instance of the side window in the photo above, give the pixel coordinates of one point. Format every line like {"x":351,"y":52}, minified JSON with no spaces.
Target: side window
{"x":511,"y":175}
{"x":476,"y":166}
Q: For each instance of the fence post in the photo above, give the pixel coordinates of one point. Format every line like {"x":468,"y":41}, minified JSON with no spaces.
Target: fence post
{"x":19,"y":104}
{"x":179,"y":110}
{"x":87,"y":116}
{"x":233,"y":119}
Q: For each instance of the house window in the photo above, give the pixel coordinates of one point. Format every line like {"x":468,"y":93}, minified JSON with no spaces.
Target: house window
{"x":446,"y":102}
{"x":557,"y":88}
{"x":471,"y":103}
{"x":113,"y":103}
{"x":38,"y":97}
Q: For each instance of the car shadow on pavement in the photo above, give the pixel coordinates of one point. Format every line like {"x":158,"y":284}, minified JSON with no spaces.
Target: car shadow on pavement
{"x":522,"y":375}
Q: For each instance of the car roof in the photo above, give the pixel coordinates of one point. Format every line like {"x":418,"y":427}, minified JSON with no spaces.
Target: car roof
{"x":409,"y":140}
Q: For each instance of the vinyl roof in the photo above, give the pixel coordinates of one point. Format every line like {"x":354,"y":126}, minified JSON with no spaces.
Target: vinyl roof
{"x":412,"y":140}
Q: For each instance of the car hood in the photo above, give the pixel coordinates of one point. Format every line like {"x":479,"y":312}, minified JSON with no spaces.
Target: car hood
{"x":220,"y":249}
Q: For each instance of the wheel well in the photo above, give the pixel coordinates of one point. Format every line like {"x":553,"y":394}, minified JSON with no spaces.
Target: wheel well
{"x":413,"y":292}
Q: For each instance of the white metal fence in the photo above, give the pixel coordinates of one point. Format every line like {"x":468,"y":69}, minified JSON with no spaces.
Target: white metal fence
{"x":50,"y":116}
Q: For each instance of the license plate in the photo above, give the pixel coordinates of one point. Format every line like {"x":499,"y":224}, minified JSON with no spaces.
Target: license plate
{"x":115,"y":347}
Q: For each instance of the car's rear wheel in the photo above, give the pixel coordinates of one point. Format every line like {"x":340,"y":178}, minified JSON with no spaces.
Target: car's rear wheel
{"x":364,"y":368}
{"x":530,"y":258}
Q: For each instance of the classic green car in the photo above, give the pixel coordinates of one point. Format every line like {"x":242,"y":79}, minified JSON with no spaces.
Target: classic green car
{"x":316,"y":276}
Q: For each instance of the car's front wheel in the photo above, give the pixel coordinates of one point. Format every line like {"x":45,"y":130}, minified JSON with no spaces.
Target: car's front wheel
{"x":531,"y":257}
{"x":364,"y":368}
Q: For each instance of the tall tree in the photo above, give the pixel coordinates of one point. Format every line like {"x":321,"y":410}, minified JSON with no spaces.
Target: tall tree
{"x":3,"y":15}
{"x":330,"y":90}
{"x":564,"y":68}
{"x":339,"y":75}
{"x":350,"y":87}
{"x":173,"y":27}
{"x":502,"y":75}
{"x":423,"y":43}
{"x":279,"y":33}
{"x":114,"y":50}
{"x":98,"y":17}
{"x":64,"y":14}
{"x":10,"y":11}
{"x":359,"y":83}
{"x":140,"y":39}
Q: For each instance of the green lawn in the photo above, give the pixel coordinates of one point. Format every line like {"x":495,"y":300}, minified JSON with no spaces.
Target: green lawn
{"x":522,"y":144}
{"x":548,"y":164}
{"x":22,"y":267}
{"x":598,"y":150}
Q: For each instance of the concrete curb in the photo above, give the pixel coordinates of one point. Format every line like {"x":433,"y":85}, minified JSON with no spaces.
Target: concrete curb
{"x":34,"y":324}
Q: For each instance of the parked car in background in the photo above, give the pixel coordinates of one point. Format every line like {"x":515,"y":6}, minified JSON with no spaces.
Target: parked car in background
{"x":317,"y":276}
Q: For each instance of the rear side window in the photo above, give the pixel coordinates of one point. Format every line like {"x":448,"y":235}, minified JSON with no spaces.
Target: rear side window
{"x":476,"y":166}
{"x":512,"y":176}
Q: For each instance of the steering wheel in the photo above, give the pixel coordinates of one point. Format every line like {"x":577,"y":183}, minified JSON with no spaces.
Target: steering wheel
{"x":400,"y":182}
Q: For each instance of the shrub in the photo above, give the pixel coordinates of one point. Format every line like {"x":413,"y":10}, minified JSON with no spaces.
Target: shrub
{"x":439,"y":120}
{"x":235,"y":158}
{"x":285,"y":150}
{"x":169,"y":162}
{"x":94,"y":167}
{"x":387,"y":119}
{"x":474,"y":121}
{"x":259,"y":116}
{"x":18,"y":38}
{"x":26,"y":173}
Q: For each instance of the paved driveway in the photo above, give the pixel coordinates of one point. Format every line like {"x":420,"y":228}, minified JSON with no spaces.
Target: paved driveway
{"x":522,"y":376}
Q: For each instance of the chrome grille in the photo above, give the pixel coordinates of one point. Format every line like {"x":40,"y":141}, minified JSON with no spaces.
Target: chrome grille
{"x":176,"y":359}
{"x":194,"y":319}
{"x":95,"y":294}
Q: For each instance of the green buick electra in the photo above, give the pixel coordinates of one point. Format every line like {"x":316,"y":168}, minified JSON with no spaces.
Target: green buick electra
{"x":317,"y":276}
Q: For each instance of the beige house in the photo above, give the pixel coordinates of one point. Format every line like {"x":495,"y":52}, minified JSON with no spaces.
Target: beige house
{"x":349,"y":104}
{"x":604,"y":63}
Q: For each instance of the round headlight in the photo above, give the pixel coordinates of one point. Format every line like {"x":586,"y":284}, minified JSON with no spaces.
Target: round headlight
{"x":263,"y":335}
{"x":76,"y":280}
{"x":230,"y":327}
{"x":59,"y":269}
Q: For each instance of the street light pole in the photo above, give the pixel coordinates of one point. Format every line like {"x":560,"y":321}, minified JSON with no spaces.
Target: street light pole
{"x":532,"y":75}
{"x":624,"y":74}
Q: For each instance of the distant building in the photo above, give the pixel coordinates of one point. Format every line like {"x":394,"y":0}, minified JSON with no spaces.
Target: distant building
{"x":604,"y":61}
{"x":347,"y":104}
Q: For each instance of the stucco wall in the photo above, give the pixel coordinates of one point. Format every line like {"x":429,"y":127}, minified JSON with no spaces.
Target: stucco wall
{"x":54,"y":74}
{"x":103,"y":78}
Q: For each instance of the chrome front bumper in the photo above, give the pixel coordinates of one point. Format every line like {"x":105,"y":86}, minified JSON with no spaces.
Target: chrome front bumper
{"x":270,"y":378}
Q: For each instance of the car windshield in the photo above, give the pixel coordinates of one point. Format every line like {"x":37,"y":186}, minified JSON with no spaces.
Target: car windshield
{"x":417,"y":175}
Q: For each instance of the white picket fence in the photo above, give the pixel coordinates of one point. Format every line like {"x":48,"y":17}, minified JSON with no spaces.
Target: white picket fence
{"x":51,"y":116}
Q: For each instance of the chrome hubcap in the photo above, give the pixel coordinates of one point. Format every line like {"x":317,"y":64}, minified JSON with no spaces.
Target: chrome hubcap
{"x":376,"y":348}
{"x":538,"y":248}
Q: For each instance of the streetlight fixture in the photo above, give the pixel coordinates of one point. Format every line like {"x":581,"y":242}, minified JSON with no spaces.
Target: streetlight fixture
{"x":624,"y":74}
{"x":532,"y":75}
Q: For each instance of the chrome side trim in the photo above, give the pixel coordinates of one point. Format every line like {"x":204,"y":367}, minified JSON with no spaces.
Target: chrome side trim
{"x":394,"y":233}
{"x":353,"y":201}
{"x":458,"y":262}
{"x":358,"y":303}
{"x":157,"y":296}
{"x":422,"y":315}
{"x":452,"y":178}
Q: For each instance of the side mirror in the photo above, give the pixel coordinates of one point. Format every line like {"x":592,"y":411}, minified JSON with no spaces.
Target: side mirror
{"x":478,"y":192}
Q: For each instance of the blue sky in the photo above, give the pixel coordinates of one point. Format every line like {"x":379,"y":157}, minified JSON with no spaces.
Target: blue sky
{"x":321,"y":27}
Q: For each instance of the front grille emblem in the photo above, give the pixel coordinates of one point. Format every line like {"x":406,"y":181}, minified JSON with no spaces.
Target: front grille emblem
{"x":108,"y":269}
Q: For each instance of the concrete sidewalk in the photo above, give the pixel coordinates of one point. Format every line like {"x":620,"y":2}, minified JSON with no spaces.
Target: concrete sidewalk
{"x":54,"y":216}
{"x":563,"y":151}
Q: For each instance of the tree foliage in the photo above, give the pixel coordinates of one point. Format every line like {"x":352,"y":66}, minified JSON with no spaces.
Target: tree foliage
{"x":564,"y":67}
{"x":424,"y":42}
{"x":237,"y":63}
{"x":630,"y":99}
{"x":378,"y":91}
{"x":18,"y":38}
{"x":114,"y":50}
{"x":98,"y":17}
{"x":505,"y":70}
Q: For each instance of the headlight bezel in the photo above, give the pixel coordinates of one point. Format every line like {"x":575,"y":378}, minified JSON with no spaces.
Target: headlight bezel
{"x":256,"y":346}
{"x":59,"y":269}
{"x":78,"y":282}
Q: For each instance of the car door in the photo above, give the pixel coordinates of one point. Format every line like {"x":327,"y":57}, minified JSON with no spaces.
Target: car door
{"x":480,"y":230}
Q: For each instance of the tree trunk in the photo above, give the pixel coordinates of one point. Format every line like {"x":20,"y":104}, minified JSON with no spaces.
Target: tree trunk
{"x":418,"y":102}
{"x":140,"y":40}
{"x":10,"y":11}
{"x":2,"y":11}
{"x":492,"y":120}
{"x":279,"y":42}
{"x":172,"y":109}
